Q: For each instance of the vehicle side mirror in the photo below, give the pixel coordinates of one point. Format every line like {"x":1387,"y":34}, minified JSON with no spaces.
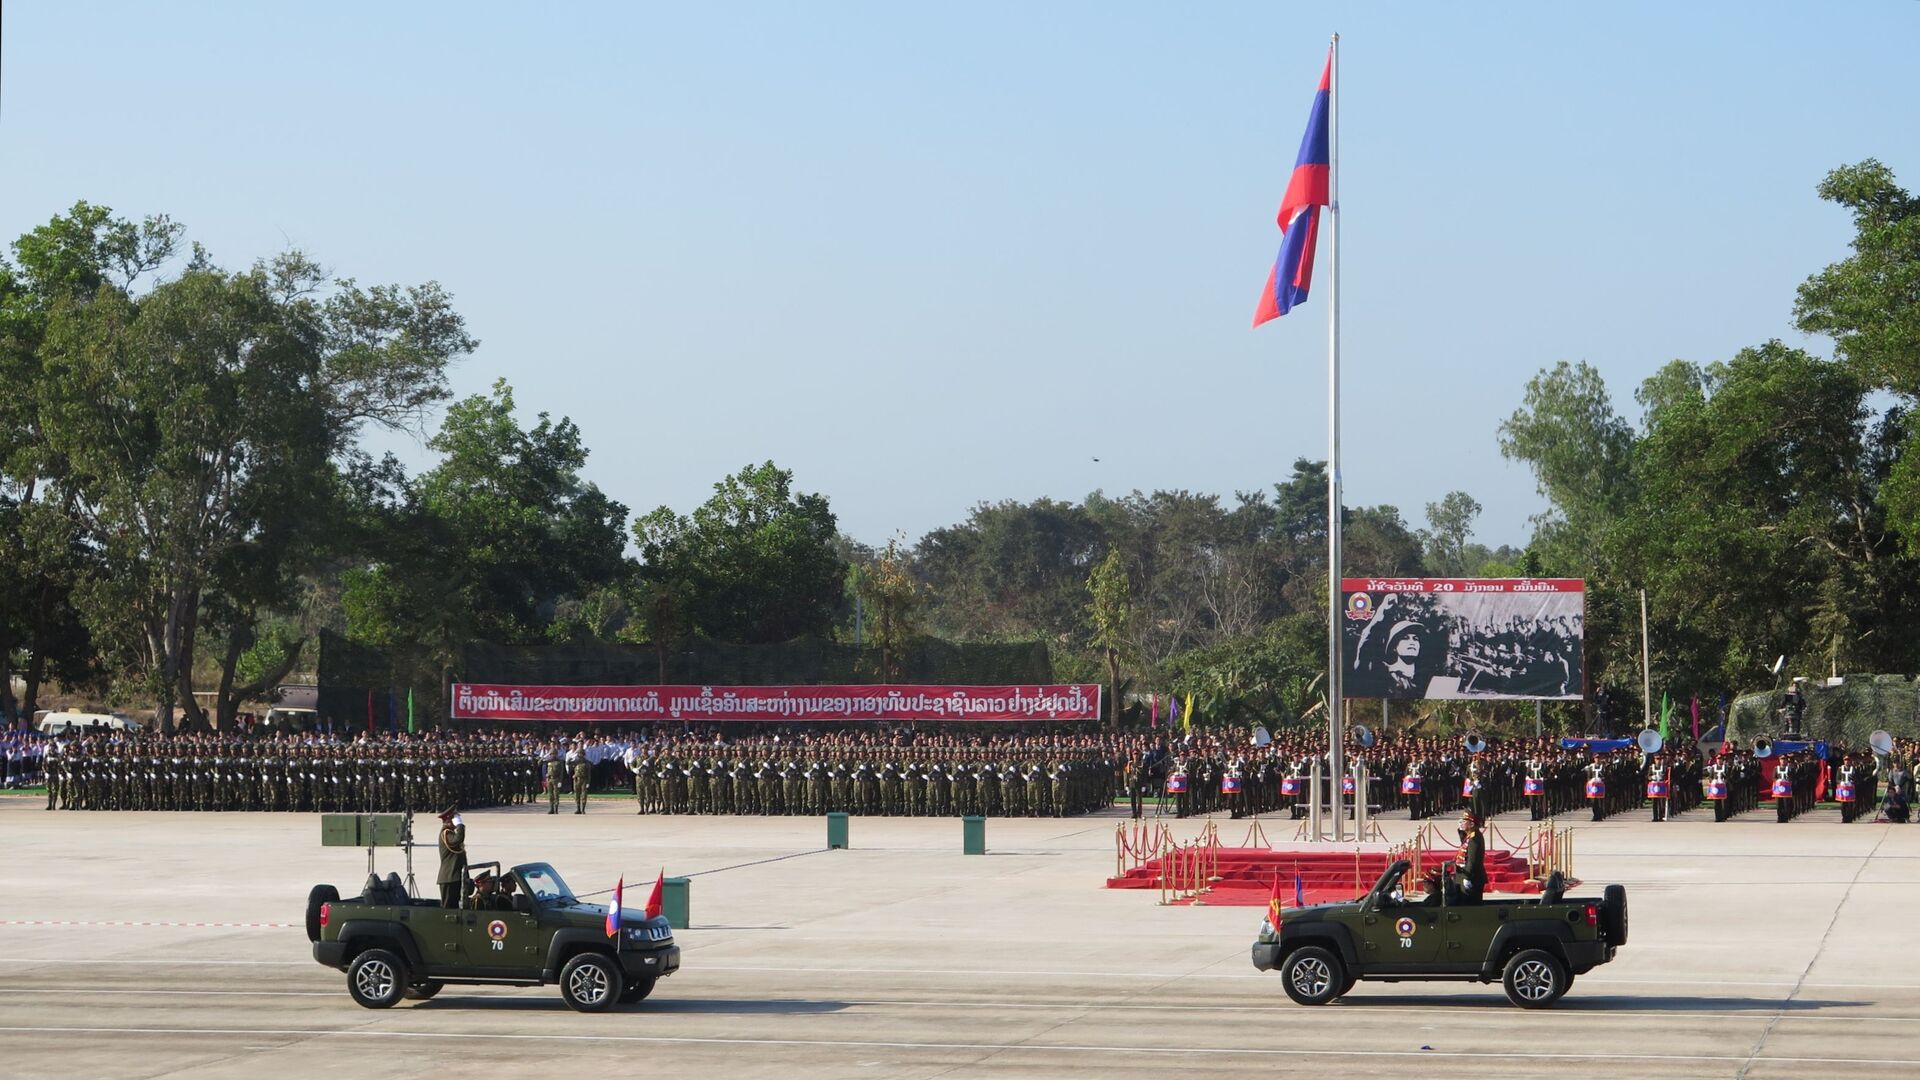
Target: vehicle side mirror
{"x":523,"y":903}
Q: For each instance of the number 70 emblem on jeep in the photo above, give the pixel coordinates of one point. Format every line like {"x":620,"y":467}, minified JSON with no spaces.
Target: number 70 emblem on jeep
{"x":1405,"y":928}
{"x":496,"y":930}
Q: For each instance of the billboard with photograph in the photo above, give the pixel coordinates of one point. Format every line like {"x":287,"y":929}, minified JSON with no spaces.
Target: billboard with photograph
{"x":1463,"y":638}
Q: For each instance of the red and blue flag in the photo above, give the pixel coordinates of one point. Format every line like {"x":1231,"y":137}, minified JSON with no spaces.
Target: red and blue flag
{"x":613,"y":908}
{"x":1307,"y":192}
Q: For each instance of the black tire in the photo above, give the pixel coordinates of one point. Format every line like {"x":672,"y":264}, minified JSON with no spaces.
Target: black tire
{"x":591,"y":983}
{"x":1534,"y":978}
{"x":376,"y":979}
{"x":423,"y":991}
{"x":319,"y":894}
{"x":1347,"y":984}
{"x":1613,"y":914}
{"x":638,"y":989}
{"x":1312,"y":975}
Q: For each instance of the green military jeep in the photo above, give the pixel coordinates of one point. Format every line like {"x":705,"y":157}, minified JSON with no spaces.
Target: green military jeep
{"x":394,"y":946}
{"x":1534,"y":946}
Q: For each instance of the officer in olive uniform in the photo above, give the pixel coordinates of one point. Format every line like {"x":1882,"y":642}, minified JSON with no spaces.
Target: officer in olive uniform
{"x":453,"y":858}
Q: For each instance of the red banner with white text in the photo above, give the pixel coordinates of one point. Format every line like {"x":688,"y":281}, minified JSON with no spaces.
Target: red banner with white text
{"x":651,"y":704}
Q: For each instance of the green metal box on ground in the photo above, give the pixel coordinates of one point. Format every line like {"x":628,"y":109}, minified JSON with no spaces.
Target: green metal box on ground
{"x":339,"y":830}
{"x":973,"y":831}
{"x":676,"y":902}
{"x":382,"y":830}
{"x":836,"y":830}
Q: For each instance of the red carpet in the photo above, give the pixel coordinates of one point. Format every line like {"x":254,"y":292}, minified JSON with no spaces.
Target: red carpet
{"x":1247,"y":875}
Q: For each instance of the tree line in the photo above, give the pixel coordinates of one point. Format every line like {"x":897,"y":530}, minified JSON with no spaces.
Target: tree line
{"x":186,"y":500}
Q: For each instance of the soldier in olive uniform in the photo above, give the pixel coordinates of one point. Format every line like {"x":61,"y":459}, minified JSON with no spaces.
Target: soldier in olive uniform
{"x":556,"y":776}
{"x":582,"y":778}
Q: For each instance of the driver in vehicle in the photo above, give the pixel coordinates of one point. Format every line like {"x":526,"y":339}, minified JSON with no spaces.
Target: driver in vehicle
{"x":486,"y":894}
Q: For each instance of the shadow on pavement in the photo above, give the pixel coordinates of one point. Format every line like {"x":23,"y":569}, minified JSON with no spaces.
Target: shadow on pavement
{"x":1575,"y":1001}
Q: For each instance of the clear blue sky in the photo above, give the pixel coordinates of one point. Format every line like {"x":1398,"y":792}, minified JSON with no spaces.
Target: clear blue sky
{"x":931,"y":255}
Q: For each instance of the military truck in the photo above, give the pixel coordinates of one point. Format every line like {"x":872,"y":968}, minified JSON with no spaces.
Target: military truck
{"x":394,"y":946}
{"x":1533,"y":946}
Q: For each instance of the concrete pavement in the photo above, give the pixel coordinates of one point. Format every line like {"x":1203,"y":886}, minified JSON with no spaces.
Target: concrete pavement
{"x":149,"y":945}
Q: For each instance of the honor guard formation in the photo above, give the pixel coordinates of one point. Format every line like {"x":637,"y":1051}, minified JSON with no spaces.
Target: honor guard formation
{"x":1426,"y":777}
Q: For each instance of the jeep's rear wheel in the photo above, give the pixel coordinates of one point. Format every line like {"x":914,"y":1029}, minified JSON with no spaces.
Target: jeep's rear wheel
{"x":590,"y":983}
{"x":1535,"y":979}
{"x":319,"y":894}
{"x":376,"y":979}
{"x":1312,"y":975}
{"x":423,"y":991}
{"x":638,"y":989}
{"x":1613,"y":914}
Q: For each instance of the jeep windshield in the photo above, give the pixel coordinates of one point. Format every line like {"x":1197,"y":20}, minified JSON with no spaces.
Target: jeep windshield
{"x":545,"y":886}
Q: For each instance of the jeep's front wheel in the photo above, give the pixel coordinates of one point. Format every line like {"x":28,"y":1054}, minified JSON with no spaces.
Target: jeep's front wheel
{"x":376,"y":979}
{"x":638,"y":989}
{"x":424,"y":991}
{"x":1535,"y":979}
{"x":590,"y":983}
{"x":1312,"y":975}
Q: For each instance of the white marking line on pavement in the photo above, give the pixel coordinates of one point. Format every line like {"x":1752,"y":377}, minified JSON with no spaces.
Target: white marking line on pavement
{"x":855,"y":1044}
{"x":126,"y":922}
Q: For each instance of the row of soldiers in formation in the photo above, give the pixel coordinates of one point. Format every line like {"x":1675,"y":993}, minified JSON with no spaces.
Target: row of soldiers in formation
{"x":932,"y":774}
{"x":149,"y":771}
{"x":1038,"y":777}
{"x":1029,"y":778}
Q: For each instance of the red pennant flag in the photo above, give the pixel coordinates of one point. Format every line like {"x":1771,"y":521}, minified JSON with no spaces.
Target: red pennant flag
{"x":655,"y":899}
{"x":1274,"y":905}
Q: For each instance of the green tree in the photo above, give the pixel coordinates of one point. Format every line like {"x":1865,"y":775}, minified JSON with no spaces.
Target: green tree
{"x":894,"y":601}
{"x":501,"y":541}
{"x":1449,"y":527}
{"x":755,"y":563}
{"x":1110,"y":616}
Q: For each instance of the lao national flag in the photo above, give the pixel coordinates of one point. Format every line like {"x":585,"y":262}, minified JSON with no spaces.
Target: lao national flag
{"x":613,"y":908}
{"x":1299,"y":891}
{"x":1307,"y":191}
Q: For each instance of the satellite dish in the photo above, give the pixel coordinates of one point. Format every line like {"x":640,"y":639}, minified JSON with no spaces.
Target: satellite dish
{"x":1650,"y":741}
{"x":1363,"y":735}
{"x":1261,"y":736}
{"x":1763,"y":747}
{"x":1882,"y":742}
{"x":1475,"y":744}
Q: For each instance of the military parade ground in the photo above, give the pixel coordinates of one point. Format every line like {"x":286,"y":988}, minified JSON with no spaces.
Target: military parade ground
{"x":158,"y":944}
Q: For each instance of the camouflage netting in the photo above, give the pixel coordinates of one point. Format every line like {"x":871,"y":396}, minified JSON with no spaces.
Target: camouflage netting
{"x":1847,"y":713}
{"x":347,"y":670}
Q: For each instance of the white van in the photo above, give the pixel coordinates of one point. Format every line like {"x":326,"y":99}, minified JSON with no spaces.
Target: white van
{"x":60,"y":723}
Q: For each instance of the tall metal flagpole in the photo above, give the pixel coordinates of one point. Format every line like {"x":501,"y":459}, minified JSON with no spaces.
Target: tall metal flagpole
{"x":1336,"y":711}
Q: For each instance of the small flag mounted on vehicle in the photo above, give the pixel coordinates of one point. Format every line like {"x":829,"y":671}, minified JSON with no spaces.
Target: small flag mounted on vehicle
{"x":613,"y":908}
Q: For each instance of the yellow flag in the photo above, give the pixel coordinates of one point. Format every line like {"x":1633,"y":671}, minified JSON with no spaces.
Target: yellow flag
{"x":1186,"y":718}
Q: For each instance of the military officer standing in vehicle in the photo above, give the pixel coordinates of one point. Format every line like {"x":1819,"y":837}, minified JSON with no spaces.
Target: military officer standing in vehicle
{"x":453,"y":858}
